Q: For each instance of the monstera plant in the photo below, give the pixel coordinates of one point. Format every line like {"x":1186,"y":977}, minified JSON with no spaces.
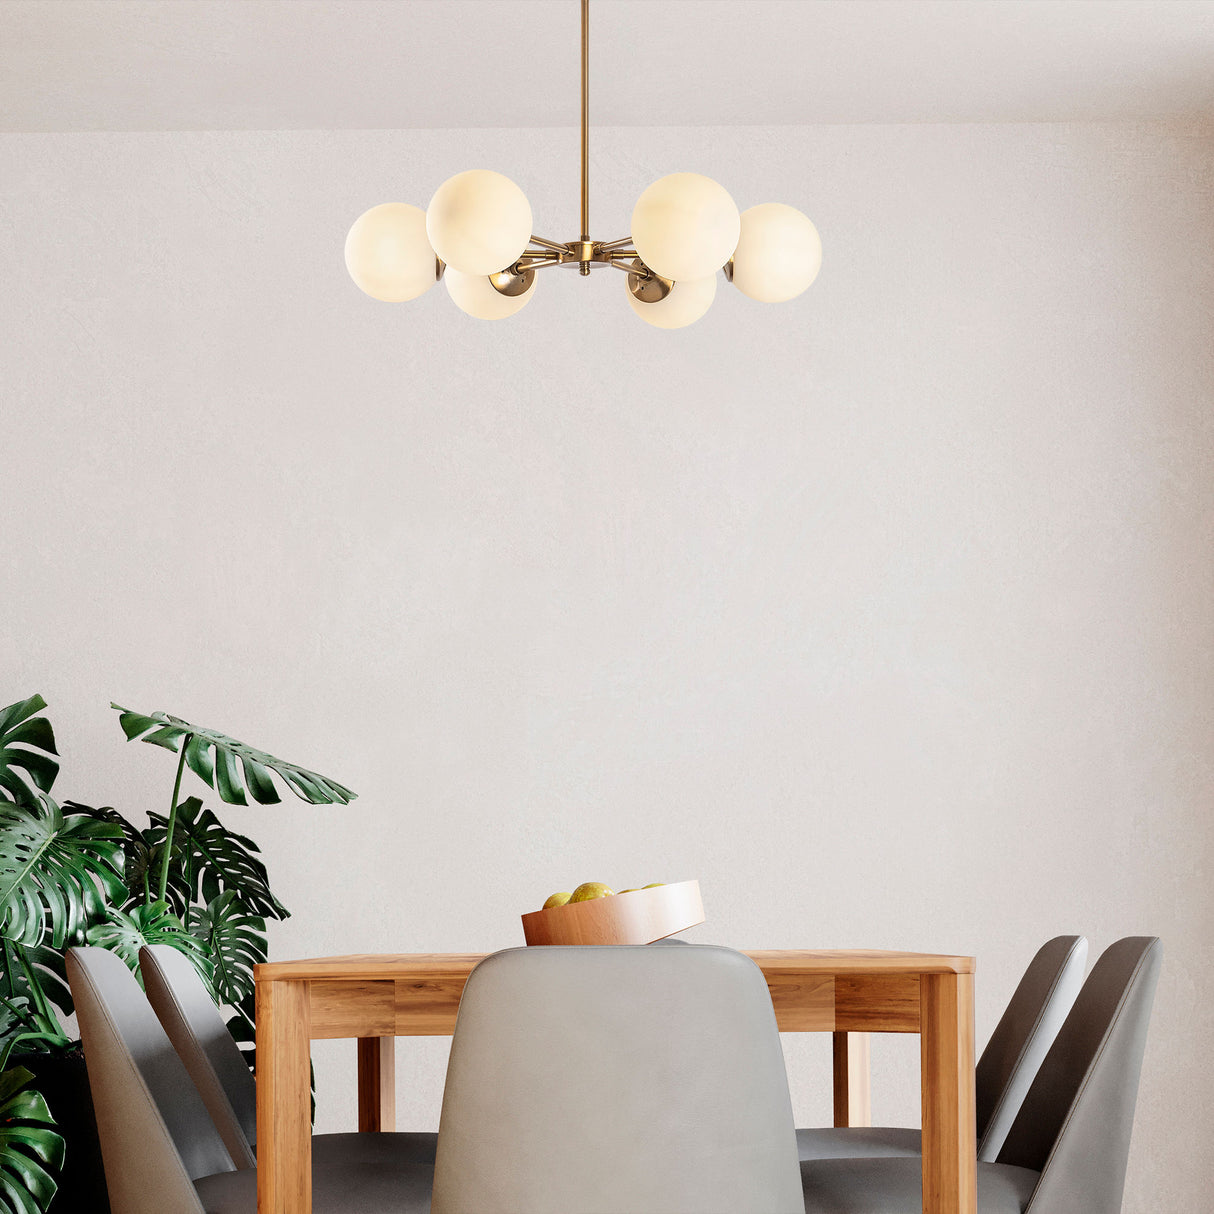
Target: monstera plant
{"x":73,"y":874}
{"x":195,"y":885}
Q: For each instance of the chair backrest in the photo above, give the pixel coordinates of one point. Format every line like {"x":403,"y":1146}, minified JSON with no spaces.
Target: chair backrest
{"x":1024,"y":1034}
{"x":616,"y":1078}
{"x":156,"y":1136}
{"x":1074,"y":1126}
{"x":189,"y":1016}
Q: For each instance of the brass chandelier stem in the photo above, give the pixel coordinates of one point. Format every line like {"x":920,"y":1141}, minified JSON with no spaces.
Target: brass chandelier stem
{"x":585,"y":265}
{"x":583,"y":252}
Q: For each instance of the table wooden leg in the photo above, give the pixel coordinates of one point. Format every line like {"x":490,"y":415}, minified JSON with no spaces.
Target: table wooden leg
{"x":946,"y":1010}
{"x":376,"y":1084}
{"x":853,"y":1099}
{"x":284,"y":1131}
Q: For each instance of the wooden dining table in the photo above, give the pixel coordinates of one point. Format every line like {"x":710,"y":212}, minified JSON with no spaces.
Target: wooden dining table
{"x":379,"y":997}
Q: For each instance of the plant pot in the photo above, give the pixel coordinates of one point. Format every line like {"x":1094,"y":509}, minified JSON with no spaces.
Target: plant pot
{"x":63,"y":1082}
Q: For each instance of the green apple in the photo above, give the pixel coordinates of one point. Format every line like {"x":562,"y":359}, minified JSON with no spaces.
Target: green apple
{"x":589,"y":890}
{"x":655,"y":885}
{"x":557,"y":900}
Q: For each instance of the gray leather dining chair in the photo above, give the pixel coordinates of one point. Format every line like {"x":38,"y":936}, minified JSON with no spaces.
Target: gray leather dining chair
{"x":161,"y":1151}
{"x":589,"y":1079}
{"x":1067,"y":1148}
{"x":193,"y":1024}
{"x":1026,"y":1030}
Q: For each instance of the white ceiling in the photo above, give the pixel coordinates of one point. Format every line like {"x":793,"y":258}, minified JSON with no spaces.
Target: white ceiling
{"x":302,"y":64}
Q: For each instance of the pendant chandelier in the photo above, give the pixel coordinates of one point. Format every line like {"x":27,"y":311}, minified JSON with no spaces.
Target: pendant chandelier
{"x":476,"y":235}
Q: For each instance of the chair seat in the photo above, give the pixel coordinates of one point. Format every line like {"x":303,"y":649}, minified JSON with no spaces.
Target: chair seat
{"x":895,"y":1186}
{"x":858,"y":1142}
{"x":355,"y":1186}
{"x":329,"y":1149}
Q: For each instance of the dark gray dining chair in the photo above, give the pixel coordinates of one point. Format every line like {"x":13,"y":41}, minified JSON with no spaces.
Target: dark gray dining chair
{"x":1067,"y":1148}
{"x":615,"y":1078}
{"x":162,"y":1153}
{"x":193,"y":1024}
{"x":1025,"y":1031}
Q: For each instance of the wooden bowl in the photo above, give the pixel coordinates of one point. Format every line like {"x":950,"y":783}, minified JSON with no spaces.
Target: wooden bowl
{"x":637,"y":917}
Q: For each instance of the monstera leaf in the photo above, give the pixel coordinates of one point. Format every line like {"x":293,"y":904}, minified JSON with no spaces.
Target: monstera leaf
{"x":33,"y":970}
{"x":235,"y":941}
{"x":137,"y":855}
{"x":29,"y":1148}
{"x":31,"y":981}
{"x":27,"y":744}
{"x":209,"y":859}
{"x":56,"y":874}
{"x":228,"y":766}
{"x":16,"y":1022}
{"x":126,"y":933}
{"x":23,"y":1028}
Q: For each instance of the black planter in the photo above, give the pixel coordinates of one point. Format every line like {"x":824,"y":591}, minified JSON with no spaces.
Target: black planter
{"x":62,"y":1080}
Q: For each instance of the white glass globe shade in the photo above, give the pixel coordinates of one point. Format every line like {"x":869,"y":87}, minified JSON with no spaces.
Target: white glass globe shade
{"x":686,"y":303}
{"x":388,"y":255}
{"x":477,"y":296}
{"x":479,"y":222}
{"x":685,"y":226}
{"x":779,"y":253}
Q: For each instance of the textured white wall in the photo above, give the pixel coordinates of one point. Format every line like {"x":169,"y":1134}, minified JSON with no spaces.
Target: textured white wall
{"x":889,"y":614}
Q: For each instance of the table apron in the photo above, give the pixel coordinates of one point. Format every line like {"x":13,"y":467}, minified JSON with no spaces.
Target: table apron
{"x":803,"y":1003}
{"x":401,"y":1008}
{"x":877,"y":1003}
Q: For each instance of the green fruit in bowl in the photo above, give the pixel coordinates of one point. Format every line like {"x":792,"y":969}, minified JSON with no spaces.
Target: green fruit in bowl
{"x":630,"y":890}
{"x":557,"y":900}
{"x":589,"y":890}
{"x":655,"y":885}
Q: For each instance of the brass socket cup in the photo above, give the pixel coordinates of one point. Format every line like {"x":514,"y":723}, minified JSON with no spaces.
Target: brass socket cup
{"x":645,"y":285}
{"x":512,"y":283}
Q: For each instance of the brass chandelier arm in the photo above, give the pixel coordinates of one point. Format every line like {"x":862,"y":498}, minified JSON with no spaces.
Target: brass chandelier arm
{"x":618,"y":253}
{"x":555,"y":245}
{"x":543,"y":251}
{"x":537,"y":263}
